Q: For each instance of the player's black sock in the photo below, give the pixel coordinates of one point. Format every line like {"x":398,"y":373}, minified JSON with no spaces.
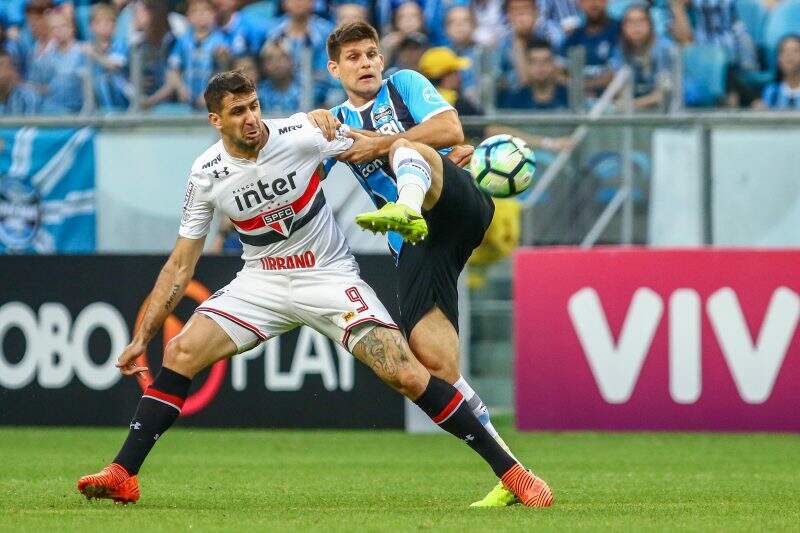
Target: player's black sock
{"x":446,"y":406}
{"x":160,"y":405}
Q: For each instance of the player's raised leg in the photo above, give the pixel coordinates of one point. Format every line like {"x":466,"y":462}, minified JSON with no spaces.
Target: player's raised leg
{"x":387,"y":353}
{"x":416,"y":189}
{"x":200,"y":344}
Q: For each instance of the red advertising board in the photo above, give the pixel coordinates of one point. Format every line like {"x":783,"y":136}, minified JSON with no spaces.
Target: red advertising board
{"x":627,"y":339}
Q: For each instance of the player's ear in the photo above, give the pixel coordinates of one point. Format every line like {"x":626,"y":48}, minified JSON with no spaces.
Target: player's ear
{"x":333,"y":68}
{"x":215,"y":120}
{"x":383,"y":62}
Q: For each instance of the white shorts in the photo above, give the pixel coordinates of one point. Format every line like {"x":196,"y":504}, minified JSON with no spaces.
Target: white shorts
{"x":260,"y":304}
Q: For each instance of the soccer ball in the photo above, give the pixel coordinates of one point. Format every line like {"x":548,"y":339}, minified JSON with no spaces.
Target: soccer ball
{"x":503,"y":165}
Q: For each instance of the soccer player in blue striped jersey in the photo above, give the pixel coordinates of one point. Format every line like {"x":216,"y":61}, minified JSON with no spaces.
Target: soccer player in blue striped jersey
{"x":425,"y":197}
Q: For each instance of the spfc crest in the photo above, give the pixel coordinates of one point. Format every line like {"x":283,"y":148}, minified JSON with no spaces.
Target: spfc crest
{"x":280,"y":220}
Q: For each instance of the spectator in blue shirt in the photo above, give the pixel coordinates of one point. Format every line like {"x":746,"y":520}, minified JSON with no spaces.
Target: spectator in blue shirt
{"x":646,"y":54}
{"x":279,"y":91}
{"x":198,"y":54}
{"x":784,"y":92}
{"x":459,"y":28}
{"x":717,"y":22}
{"x":240,"y":36}
{"x":16,"y":98}
{"x":111,"y":88}
{"x":565,"y":13}
{"x":524,"y":24}
{"x":543,"y":90}
{"x":60,"y":72}
{"x":299,"y":29}
{"x":598,"y":35}
{"x":32,"y":38}
{"x":347,"y":11}
{"x":153,"y":44}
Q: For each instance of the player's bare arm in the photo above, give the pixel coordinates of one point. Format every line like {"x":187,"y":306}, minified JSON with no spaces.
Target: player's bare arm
{"x":167,"y":292}
{"x":440,"y":131}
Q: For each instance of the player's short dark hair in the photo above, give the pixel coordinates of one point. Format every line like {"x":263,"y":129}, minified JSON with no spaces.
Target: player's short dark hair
{"x":349,"y":33}
{"x":232,"y":81}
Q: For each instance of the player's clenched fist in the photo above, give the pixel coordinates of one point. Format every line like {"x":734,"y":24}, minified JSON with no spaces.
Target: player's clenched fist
{"x":461,"y":154}
{"x":127,"y":360}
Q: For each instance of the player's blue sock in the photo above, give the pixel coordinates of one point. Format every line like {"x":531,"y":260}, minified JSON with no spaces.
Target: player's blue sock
{"x":413,"y":177}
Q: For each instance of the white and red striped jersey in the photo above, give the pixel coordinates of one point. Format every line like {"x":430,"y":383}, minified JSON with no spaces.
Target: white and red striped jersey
{"x":276,"y":202}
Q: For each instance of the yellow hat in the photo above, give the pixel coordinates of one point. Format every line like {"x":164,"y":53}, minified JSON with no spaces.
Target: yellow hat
{"x":437,"y":62}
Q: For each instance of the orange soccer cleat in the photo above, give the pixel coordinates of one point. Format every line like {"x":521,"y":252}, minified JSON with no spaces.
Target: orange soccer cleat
{"x":112,"y":482}
{"x":531,"y":490}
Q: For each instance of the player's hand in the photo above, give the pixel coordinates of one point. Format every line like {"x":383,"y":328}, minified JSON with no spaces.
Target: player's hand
{"x":126,"y":362}
{"x":325,"y":121}
{"x":363,"y":149}
{"x":461,"y":154}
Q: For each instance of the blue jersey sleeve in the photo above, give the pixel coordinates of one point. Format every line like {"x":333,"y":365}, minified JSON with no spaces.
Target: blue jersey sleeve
{"x":419,"y":95}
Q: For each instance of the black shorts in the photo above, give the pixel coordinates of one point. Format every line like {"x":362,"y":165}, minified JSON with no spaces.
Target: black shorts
{"x":428,"y":272}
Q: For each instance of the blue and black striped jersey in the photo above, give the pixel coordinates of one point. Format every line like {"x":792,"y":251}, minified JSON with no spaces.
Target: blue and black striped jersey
{"x":405,"y":99}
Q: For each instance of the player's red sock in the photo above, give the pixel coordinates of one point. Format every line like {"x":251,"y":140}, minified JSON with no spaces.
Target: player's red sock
{"x":447,"y":407}
{"x":160,"y":405}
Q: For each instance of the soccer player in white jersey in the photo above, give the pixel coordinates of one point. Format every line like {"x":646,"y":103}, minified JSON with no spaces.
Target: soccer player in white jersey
{"x":298,"y":270}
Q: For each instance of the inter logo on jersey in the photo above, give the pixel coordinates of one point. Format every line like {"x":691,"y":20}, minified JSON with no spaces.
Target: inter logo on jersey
{"x":280,"y":220}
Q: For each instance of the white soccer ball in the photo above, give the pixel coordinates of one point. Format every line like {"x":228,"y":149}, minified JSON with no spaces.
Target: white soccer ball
{"x":503,"y":165}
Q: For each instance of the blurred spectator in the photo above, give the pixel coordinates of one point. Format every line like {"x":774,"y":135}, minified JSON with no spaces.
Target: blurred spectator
{"x":198,"y":54}
{"x":444,"y":69}
{"x":239,"y":34}
{"x":543,"y":91}
{"x":60,"y":71}
{"x":299,"y":29}
{"x":408,"y":53}
{"x":717,"y":22}
{"x":565,"y":13}
{"x":279,"y":90}
{"x":490,"y":21}
{"x":153,"y":43}
{"x":646,"y":54}
{"x":226,"y":241}
{"x":784,"y":92}
{"x":406,"y":20}
{"x":431,"y":12}
{"x":247,"y":65}
{"x":347,"y":11}
{"x":110,"y":86}
{"x":9,"y":45}
{"x":714,"y":22}
{"x":459,"y":28}
{"x":598,"y":35}
{"x":16,"y":97}
{"x":33,"y":37}
{"x":524,"y":24}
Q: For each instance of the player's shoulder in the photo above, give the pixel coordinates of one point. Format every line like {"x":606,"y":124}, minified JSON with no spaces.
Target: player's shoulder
{"x":407,"y":78}
{"x":292,"y":125}
{"x":208,"y":162}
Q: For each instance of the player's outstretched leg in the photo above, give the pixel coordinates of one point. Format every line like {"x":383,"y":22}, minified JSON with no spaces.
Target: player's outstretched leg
{"x":416,"y":178}
{"x":387,"y":353}
{"x":201,"y":343}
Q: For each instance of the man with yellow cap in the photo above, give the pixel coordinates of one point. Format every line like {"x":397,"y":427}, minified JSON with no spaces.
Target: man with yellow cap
{"x":443,"y":68}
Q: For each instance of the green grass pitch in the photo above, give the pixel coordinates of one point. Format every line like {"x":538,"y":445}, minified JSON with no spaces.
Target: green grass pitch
{"x":390,"y":481}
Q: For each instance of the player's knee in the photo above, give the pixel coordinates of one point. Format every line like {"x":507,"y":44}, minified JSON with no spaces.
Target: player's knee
{"x":178,"y":357}
{"x":399,"y":143}
{"x":411,"y":382}
{"x":440,"y":363}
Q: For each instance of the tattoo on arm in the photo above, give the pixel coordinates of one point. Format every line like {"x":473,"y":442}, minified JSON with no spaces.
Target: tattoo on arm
{"x":171,"y":299}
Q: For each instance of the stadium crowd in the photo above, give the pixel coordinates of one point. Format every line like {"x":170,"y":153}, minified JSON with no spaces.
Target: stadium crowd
{"x":57,"y":56}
